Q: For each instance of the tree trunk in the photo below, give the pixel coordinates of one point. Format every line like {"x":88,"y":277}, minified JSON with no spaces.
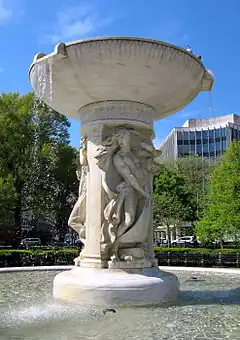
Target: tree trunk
{"x":221,"y":244}
{"x":18,"y":215}
{"x":18,"y":226}
{"x":168,"y":235}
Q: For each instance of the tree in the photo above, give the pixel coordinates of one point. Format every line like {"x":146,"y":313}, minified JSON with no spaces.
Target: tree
{"x":222,"y":213}
{"x":172,"y":200}
{"x":7,"y":195}
{"x":67,"y":183}
{"x":32,"y":138}
{"x":196,"y":172}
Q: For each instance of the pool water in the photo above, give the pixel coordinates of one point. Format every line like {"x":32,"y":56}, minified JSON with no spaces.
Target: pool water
{"x":208,"y":308}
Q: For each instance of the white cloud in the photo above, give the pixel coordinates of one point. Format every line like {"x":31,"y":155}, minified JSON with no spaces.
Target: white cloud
{"x":5,"y":13}
{"x":76,"y":22}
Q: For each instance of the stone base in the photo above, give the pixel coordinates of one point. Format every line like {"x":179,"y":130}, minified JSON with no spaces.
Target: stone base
{"x":136,"y":264}
{"x":116,"y":287}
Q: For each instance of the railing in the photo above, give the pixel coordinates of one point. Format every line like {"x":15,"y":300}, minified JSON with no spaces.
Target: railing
{"x":197,"y":259}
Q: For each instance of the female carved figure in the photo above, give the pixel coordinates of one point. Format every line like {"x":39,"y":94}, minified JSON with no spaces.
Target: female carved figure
{"x":77,"y":218}
{"x":126,"y":182}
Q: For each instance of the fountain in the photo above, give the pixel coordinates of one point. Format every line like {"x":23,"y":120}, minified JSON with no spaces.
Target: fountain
{"x":117,"y":87}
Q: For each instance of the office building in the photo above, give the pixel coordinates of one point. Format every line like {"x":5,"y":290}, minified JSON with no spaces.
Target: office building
{"x":208,"y":137}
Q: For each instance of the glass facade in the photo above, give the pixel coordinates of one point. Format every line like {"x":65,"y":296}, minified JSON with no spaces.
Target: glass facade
{"x":206,"y":143}
{"x":201,"y":139}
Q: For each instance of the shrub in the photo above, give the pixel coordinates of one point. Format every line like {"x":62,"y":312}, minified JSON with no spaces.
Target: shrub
{"x":37,"y":257}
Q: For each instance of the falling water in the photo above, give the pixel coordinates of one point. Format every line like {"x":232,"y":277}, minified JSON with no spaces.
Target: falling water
{"x":211,"y":105}
{"x":44,"y":72}
{"x":44,"y":93}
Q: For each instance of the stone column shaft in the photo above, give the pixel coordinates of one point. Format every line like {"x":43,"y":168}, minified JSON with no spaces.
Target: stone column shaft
{"x":99,"y":121}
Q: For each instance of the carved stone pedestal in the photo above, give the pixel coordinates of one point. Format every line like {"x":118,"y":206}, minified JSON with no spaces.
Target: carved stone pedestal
{"x":118,"y":200}
{"x":116,"y":287}
{"x":116,"y":210}
{"x":116,"y":87}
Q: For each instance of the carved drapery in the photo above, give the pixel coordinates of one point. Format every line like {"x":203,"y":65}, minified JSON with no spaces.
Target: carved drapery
{"x":125,"y":160}
{"x":77,"y":219}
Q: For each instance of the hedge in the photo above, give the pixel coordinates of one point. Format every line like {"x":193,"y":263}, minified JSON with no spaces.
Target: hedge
{"x":196,"y":257}
{"x":38,"y":257}
{"x":197,"y":250}
{"x":166,"y":256}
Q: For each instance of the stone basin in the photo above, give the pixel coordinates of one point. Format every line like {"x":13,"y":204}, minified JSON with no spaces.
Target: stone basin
{"x":160,"y":75}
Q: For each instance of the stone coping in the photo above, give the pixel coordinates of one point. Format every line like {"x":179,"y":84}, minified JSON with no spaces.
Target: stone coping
{"x":166,"y":268}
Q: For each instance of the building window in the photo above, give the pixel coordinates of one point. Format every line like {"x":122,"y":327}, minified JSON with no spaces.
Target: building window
{"x":179,"y":142}
{"x":218,"y":133}
{"x":234,"y":134}
{"x":212,"y":147}
{"x":192,"y":149}
{"x":180,"y":149}
{"x":205,"y":148}
{"x":223,"y":132}
{"x":211,"y":134}
{"x":198,"y":135}
{"x":192,"y":135}
{"x":205,"y":134}
{"x":218,"y":147}
{"x":199,"y":149}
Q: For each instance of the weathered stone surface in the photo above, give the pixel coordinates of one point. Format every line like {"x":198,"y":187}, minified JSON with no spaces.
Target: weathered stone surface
{"x":117,"y":87}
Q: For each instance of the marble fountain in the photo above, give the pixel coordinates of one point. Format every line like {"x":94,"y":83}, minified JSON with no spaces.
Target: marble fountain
{"x":117,"y":87}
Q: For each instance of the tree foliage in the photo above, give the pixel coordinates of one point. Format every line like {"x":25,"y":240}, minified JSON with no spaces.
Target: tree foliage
{"x":36,"y":161}
{"x":172,"y":199}
{"x":196,"y":172}
{"x":221,"y":218}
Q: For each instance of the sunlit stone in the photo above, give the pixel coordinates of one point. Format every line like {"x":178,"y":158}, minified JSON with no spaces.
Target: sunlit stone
{"x":117,"y":87}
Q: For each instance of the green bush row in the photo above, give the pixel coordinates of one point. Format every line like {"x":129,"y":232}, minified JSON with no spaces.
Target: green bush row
{"x":196,"y":250}
{"x":9,"y":252}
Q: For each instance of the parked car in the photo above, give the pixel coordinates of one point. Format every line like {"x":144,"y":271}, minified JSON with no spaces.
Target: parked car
{"x":28,"y":242}
{"x":79,"y":243}
{"x":186,"y":241}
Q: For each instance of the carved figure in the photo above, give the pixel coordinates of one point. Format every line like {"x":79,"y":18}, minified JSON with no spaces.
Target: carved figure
{"x":125,"y":175}
{"x":77,"y":219}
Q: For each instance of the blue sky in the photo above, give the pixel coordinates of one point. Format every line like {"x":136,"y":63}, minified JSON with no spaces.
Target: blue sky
{"x":210,"y":27}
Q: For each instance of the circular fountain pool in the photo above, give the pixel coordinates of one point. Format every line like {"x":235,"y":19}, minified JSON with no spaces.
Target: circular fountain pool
{"x":208,"y":308}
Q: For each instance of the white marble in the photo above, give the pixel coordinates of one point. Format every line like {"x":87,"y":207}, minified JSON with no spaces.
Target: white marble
{"x":111,"y":287}
{"x":117,"y":87}
{"x":162,"y":76}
